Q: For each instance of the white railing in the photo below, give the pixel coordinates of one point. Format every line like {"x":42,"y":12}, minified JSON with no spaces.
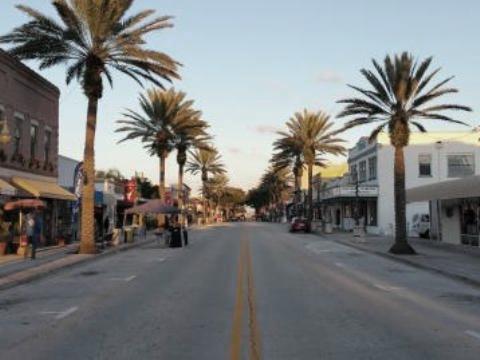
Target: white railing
{"x":349,"y":191}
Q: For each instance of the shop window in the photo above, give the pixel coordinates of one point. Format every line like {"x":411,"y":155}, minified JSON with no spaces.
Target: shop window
{"x":461,"y":165}
{"x":425,"y":165}
{"x":372,"y":168}
{"x":372,"y":213}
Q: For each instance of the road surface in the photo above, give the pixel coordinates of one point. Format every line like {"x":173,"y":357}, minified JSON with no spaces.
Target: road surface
{"x":242,"y":291}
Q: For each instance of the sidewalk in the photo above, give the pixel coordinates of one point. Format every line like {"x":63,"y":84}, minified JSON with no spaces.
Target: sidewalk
{"x":19,"y":271}
{"x":454,"y":261}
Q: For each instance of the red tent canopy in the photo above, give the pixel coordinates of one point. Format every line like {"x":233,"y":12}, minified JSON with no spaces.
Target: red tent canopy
{"x":24,"y":204}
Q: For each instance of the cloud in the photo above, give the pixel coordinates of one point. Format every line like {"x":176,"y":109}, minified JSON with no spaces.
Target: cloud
{"x":329,"y":76}
{"x":266,"y":129}
{"x":234,"y":150}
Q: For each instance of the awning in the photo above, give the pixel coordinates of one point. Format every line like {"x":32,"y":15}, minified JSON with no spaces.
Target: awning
{"x":43,"y":189}
{"x":454,"y":189}
{"x":6,"y":188}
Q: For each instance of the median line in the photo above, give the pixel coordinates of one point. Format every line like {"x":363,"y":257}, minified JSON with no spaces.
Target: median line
{"x":245,"y":283}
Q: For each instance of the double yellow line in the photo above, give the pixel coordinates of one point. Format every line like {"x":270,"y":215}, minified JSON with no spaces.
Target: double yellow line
{"x":245,"y":284}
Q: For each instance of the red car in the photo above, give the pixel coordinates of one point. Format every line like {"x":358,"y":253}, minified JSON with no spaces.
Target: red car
{"x":298,"y":224}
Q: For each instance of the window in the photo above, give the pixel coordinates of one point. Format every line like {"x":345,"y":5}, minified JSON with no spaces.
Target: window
{"x":47,"y":144}
{"x":461,"y":165}
{"x":17,"y":136}
{"x":33,"y":140}
{"x":372,"y":168}
{"x":424,"y":165}
{"x":363,"y":171}
{"x":353,"y":173}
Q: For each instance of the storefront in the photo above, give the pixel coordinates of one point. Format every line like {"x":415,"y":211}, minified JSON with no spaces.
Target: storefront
{"x":55,"y":224}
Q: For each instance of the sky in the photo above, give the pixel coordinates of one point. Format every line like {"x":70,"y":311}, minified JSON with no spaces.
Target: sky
{"x":250,"y":64}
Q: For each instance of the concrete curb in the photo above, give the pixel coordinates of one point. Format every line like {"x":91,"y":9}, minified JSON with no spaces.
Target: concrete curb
{"x":457,"y":277}
{"x":30,"y":275}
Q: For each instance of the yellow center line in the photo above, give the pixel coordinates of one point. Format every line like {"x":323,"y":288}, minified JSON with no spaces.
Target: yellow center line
{"x":235,"y":344}
{"x":253,"y":323}
{"x":245,"y":273}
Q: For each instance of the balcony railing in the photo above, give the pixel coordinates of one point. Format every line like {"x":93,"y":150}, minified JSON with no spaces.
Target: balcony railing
{"x":349,"y":191}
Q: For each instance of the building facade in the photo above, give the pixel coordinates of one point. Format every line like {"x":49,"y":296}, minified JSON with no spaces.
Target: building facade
{"x":367,"y":192}
{"x":29,"y":107}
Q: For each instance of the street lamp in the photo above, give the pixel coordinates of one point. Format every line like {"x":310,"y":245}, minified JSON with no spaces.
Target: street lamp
{"x":5,"y":136}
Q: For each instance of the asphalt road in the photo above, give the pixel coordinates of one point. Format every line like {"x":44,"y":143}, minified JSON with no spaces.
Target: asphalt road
{"x":242,"y":291}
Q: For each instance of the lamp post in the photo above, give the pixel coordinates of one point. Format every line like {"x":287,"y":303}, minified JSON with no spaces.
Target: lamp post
{"x":358,"y":231}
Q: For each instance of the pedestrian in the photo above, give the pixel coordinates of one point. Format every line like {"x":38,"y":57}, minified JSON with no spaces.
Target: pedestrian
{"x":29,"y":231}
{"x":185,"y":232}
{"x":37,"y":232}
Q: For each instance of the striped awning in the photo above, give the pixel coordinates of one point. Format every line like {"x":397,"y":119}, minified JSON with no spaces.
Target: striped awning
{"x":6,"y":188}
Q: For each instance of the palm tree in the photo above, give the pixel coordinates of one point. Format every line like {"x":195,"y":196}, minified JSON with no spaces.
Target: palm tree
{"x":397,"y":100}
{"x":276,"y":184}
{"x":312,"y":131}
{"x":93,"y":38}
{"x":205,"y":162}
{"x":189,"y":133}
{"x":289,"y":155}
{"x":164,"y":114}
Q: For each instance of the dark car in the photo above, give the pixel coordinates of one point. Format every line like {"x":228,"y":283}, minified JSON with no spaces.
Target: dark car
{"x":298,"y":224}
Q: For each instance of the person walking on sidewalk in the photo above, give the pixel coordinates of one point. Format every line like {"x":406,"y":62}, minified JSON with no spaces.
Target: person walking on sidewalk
{"x":29,"y":231}
{"x":37,"y":232}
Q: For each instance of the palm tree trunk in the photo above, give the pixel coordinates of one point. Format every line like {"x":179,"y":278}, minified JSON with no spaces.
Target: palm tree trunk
{"x":310,"y":198}
{"x":401,"y":245}
{"x":87,"y":242}
{"x":180,"y":191}
{"x":204,"y":203}
{"x":161,"y":188}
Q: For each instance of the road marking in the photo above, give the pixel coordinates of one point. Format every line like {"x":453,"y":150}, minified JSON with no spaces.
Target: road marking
{"x":387,"y":288}
{"x":61,"y":314}
{"x":127,"y":279}
{"x":474,"y":334}
{"x":235,"y":345}
{"x":253,"y":323}
{"x":339,"y":264}
{"x":160,"y":259}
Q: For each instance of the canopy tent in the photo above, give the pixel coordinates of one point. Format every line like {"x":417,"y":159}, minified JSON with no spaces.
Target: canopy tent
{"x":153,"y":207}
{"x":43,"y":189}
{"x":452,"y":189}
{"x":24,"y":204}
{"x":6,"y":188}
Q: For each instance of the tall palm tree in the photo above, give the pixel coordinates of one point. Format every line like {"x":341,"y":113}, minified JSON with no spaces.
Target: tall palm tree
{"x":398,"y":98}
{"x":93,"y":38}
{"x":205,"y":162}
{"x":313,"y":132}
{"x":189,"y":133}
{"x":164,"y":114}
{"x":289,"y":155}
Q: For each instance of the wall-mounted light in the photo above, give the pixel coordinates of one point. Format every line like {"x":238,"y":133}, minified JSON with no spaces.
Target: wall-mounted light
{"x":5,"y":136}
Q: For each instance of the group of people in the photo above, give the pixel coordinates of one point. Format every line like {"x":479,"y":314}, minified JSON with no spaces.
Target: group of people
{"x":175,"y":232}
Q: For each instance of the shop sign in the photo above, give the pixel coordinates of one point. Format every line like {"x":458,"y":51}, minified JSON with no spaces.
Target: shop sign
{"x":130,"y":191}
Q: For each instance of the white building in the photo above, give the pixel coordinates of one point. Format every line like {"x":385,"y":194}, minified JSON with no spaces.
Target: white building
{"x":429,"y":158}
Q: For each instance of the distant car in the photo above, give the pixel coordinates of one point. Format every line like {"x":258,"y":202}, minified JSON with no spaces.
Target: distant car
{"x":298,"y":224}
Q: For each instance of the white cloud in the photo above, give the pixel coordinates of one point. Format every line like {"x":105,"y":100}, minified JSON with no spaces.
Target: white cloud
{"x":329,"y":76}
{"x":266,"y":129}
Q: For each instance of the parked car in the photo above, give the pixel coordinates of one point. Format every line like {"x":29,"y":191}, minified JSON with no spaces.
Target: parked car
{"x":298,"y":224}
{"x":421,"y":225}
